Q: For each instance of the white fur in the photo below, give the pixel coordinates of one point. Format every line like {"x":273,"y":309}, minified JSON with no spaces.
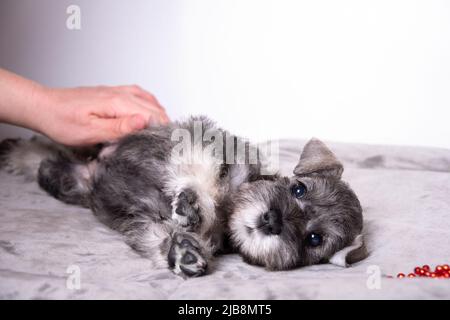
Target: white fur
{"x":151,"y":240}
{"x":107,"y":151}
{"x":254,"y":243}
{"x":199,"y":172}
{"x":339,"y":258}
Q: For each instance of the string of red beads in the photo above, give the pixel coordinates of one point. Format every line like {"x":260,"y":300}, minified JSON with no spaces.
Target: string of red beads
{"x":441,"y":272}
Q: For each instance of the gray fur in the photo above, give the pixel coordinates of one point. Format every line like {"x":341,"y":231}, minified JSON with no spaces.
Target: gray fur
{"x":180,"y":215}
{"x":329,"y":208}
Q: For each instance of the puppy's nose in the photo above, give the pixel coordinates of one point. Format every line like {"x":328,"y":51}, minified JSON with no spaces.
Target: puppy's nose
{"x":271,"y":222}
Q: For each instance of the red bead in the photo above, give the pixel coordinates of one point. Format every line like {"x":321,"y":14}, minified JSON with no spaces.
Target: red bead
{"x":441,"y":272}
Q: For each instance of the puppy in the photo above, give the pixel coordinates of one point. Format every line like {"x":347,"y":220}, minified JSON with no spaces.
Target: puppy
{"x":179,"y":206}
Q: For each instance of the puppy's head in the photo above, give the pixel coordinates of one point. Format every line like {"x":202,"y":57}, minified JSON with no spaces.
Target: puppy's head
{"x":312,"y":217}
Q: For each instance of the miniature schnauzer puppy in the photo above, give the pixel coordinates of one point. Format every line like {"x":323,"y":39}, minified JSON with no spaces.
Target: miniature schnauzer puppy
{"x":181,"y":206}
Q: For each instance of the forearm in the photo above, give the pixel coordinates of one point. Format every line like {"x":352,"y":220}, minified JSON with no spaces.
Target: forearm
{"x":77,"y":116}
{"x":21,"y":101}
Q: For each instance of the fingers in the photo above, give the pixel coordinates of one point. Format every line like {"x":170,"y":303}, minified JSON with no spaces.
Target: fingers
{"x":143,"y":94}
{"x":152,"y":112}
{"x":146,"y":100}
{"x":120,"y":111}
{"x":127,"y":100}
{"x":114,"y":128}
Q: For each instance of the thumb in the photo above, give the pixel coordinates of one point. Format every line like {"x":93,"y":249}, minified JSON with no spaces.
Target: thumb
{"x":121,"y":126}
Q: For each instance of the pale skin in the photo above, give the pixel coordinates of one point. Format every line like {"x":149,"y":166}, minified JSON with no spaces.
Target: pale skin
{"x":77,"y":116}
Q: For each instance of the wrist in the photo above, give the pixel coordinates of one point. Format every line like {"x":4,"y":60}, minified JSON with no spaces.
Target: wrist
{"x":39,"y":113}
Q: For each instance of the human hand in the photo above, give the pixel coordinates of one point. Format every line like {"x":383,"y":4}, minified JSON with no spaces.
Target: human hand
{"x":89,"y":115}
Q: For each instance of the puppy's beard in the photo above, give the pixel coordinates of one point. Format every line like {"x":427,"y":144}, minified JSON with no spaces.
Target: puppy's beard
{"x":267,"y":250}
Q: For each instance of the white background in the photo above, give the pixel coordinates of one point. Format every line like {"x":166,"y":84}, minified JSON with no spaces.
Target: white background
{"x":354,"y":71}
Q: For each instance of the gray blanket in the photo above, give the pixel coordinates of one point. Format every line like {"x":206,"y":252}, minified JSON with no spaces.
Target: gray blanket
{"x":405,"y":193}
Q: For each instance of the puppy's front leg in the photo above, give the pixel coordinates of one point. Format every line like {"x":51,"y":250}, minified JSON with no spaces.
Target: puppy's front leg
{"x":193,"y":210}
{"x":186,"y":210}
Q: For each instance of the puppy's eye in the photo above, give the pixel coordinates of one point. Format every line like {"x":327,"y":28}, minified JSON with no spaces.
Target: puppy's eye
{"x":298,"y":190}
{"x":314,"y":239}
{"x":223,"y":171}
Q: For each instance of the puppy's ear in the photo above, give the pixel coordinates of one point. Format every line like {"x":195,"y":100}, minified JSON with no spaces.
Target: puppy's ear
{"x":353,"y":253}
{"x":316,"y":158}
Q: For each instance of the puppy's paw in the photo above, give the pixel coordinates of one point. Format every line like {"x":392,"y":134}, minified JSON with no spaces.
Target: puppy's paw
{"x":185,"y":257}
{"x":187,"y":210}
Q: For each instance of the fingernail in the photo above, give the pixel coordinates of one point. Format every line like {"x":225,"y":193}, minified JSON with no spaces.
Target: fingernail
{"x":152,"y":121}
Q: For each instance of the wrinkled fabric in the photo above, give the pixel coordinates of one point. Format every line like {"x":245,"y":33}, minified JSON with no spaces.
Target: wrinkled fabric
{"x":404,"y":191}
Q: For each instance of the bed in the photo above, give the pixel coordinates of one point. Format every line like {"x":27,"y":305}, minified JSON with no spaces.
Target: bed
{"x":404,"y":191}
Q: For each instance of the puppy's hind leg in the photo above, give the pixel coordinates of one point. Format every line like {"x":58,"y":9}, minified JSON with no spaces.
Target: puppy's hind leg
{"x":66,"y":180}
{"x":23,"y":157}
